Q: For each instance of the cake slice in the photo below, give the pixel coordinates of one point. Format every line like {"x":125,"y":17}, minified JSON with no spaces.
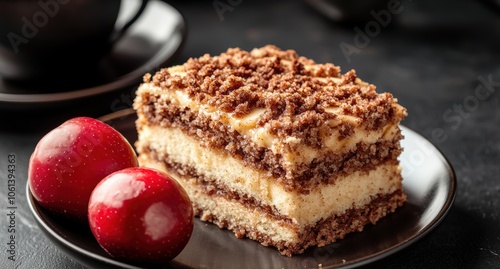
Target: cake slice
{"x":273,"y":146}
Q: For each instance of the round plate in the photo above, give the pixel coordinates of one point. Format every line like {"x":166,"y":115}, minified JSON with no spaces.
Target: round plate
{"x":429,"y":181}
{"x":149,"y":44}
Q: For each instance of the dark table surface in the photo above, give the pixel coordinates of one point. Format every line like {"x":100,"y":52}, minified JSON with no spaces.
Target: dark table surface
{"x":436,"y":57}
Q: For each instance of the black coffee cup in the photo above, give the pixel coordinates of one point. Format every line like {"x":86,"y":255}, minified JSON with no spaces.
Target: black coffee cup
{"x":50,"y":38}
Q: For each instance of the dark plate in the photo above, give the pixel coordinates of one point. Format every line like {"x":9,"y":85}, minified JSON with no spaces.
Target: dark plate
{"x":149,"y":44}
{"x":429,"y":181}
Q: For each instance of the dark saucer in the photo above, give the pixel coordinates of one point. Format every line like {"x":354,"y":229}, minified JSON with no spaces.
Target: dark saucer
{"x":148,"y":45}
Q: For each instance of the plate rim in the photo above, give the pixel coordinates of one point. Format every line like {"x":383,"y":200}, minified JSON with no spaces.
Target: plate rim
{"x":365,"y":260}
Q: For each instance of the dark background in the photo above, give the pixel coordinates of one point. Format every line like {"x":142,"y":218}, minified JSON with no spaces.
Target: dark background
{"x":432,"y":55}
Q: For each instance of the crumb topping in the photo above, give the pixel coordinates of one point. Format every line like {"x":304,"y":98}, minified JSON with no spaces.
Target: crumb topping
{"x":293,"y":91}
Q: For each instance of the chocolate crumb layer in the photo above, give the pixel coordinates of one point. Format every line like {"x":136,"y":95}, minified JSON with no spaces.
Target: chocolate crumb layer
{"x":294,"y":91}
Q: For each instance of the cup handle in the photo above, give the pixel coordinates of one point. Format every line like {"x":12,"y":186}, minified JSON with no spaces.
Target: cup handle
{"x":127,"y":25}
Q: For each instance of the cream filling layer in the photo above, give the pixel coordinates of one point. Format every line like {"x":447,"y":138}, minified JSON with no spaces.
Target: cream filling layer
{"x":293,"y":150}
{"x":354,"y":190}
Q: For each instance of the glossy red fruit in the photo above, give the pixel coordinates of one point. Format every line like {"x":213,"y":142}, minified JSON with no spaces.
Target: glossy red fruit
{"x":70,"y":160}
{"x":141,"y":215}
